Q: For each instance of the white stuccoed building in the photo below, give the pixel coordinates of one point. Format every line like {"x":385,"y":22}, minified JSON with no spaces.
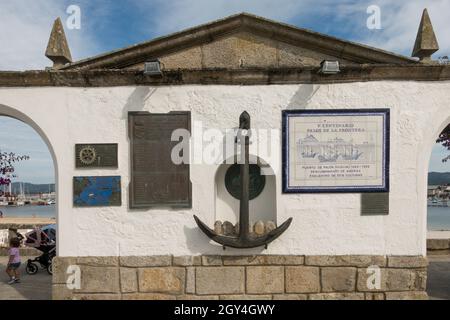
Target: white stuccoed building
{"x":216,"y":72}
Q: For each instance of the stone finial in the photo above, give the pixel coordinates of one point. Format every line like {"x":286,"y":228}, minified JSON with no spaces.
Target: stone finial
{"x":57,"y":49}
{"x":426,"y":42}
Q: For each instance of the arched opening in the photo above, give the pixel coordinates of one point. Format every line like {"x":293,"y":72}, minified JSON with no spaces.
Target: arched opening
{"x":29,"y":201}
{"x":263,"y":199}
{"x":438,"y":216}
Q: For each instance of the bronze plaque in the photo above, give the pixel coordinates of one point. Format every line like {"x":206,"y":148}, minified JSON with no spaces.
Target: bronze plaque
{"x":155,"y":180}
{"x":96,"y":155}
{"x":373,"y":204}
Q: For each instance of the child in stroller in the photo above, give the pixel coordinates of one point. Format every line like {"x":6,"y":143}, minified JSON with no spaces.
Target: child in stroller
{"x":43,"y":240}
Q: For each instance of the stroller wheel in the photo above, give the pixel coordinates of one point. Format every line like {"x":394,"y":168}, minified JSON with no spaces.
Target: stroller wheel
{"x":31,"y":268}
{"x":50,"y":269}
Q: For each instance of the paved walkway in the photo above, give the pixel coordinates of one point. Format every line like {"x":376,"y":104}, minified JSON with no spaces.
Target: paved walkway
{"x":37,"y":287}
{"x":439,"y":277}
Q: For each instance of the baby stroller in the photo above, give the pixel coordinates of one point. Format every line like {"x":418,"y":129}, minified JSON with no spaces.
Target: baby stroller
{"x":43,"y":240}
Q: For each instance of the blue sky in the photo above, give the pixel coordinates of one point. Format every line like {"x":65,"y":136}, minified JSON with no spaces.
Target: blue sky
{"x":21,"y":139}
{"x":110,"y":24}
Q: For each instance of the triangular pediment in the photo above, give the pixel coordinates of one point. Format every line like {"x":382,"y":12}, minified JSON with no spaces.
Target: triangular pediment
{"x":241,"y":41}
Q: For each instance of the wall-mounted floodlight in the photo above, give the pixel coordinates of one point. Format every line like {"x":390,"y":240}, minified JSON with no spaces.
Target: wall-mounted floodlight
{"x":329,"y":67}
{"x":153,"y":68}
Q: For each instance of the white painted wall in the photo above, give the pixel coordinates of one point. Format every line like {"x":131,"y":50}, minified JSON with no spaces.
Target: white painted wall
{"x":323,"y":223}
{"x":262,"y":208}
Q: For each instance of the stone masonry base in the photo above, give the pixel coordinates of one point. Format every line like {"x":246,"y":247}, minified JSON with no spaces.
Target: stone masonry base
{"x":242,"y":277}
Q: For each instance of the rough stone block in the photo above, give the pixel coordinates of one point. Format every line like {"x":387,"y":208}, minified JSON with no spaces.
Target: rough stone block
{"x":149,"y":261}
{"x":99,"y":280}
{"x":407,"y":262}
{"x":212,"y":260}
{"x":187,"y":58}
{"x":60,"y":266}
{"x":337,"y":296}
{"x":98,"y":261}
{"x":345,"y":261}
{"x":263,"y":260}
{"x":61,"y":292}
{"x":411,"y":295}
{"x":190,"y":280}
{"x":246,"y":297}
{"x":290,"y":297}
{"x":391,"y":280}
{"x":265,"y":280}
{"x":220,"y":280}
{"x":421,"y":280}
{"x":302,"y":279}
{"x":338,"y":279}
{"x":186,"y":261}
{"x":162,"y":280}
{"x":147,"y":296}
{"x":375,"y":296}
{"x":194,"y":297}
{"x":128,"y":280}
{"x":88,"y":296}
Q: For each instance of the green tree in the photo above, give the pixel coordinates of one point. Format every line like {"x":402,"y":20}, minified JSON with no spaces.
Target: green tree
{"x":444,"y":139}
{"x":7,"y":162}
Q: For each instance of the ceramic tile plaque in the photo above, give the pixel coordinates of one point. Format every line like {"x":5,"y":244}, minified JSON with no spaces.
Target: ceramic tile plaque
{"x":97,"y":191}
{"x":156,"y":181}
{"x":336,"y":151}
{"x":96,"y":155}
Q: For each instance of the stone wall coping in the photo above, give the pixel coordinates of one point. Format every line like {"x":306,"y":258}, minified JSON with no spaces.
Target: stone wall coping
{"x":248,"y":76}
{"x":257,"y":260}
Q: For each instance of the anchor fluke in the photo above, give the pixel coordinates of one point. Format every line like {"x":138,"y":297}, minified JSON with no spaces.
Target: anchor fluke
{"x":241,"y":242}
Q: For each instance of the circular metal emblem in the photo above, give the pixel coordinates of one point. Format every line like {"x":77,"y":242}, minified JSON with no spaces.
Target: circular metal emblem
{"x":233,"y":181}
{"x":87,"y":155}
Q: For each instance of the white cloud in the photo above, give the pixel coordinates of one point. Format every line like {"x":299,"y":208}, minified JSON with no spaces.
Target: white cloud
{"x":400,"y":19}
{"x":21,"y":139}
{"x":400,"y":22}
{"x":25,"y":24}
{"x":180,"y":14}
{"x":25,"y":29}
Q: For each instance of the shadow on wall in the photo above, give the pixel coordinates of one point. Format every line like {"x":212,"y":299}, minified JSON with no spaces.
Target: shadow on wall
{"x":262,"y":208}
{"x":137,"y":99}
{"x":198,"y":242}
{"x":302,"y":96}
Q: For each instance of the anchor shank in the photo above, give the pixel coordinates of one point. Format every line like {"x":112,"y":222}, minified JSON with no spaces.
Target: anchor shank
{"x":244,"y":214}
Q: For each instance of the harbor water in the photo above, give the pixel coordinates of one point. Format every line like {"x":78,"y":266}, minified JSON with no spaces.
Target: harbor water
{"x":438,"y":217}
{"x":30,"y":211}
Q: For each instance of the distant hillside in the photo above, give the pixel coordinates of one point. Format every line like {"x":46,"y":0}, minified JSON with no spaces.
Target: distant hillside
{"x":438,"y":178}
{"x":30,"y":188}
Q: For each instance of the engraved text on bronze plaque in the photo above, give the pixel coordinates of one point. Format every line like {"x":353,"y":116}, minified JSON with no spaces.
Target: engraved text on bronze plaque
{"x":155,"y":180}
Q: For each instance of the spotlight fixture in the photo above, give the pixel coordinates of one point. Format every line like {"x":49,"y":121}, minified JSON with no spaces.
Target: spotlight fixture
{"x":329,"y":67}
{"x":153,"y":68}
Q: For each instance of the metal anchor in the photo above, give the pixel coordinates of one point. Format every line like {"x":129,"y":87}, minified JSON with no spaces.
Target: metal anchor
{"x":245,"y":239}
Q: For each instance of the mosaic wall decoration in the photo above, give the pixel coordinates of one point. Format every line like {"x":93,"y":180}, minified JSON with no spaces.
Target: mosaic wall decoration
{"x":97,"y":191}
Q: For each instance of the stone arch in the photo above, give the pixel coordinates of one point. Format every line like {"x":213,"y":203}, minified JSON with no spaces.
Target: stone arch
{"x":7,"y":111}
{"x":422,"y":176}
